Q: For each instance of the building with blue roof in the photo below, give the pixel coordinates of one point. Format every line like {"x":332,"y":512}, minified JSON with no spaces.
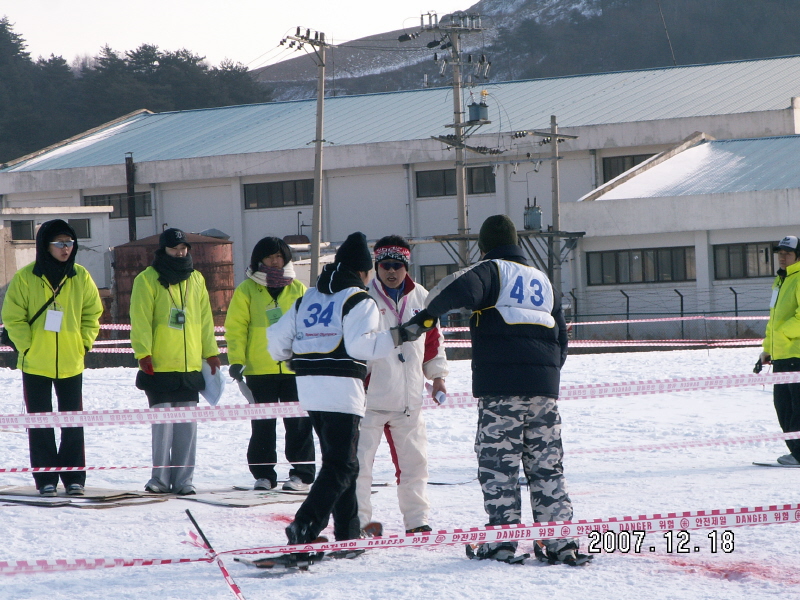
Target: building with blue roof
{"x":246,"y":170}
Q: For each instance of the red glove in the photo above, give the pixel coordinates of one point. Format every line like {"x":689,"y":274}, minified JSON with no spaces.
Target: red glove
{"x":213,"y":362}
{"x":146,"y":365}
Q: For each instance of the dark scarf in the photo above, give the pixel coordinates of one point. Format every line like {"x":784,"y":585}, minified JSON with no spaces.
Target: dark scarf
{"x":336,"y":277}
{"x":171,"y":269}
{"x":54,"y":270}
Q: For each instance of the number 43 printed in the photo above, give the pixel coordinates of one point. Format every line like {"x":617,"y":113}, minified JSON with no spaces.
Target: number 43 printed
{"x":318,"y":315}
{"x":518,"y":291}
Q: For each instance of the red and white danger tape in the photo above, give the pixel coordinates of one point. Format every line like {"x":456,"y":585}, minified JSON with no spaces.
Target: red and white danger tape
{"x":673,"y":521}
{"x":292,"y":409}
{"x":684,"y":521}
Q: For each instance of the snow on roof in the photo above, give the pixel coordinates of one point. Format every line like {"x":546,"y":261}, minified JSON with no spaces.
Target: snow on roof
{"x":629,"y":96}
{"x":717,"y":167}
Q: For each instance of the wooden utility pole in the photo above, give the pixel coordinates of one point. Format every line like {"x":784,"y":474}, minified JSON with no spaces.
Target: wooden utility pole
{"x":130,"y":176}
{"x":318,"y":44}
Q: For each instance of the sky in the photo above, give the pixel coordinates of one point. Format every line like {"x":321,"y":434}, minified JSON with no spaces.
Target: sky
{"x":244,"y":31}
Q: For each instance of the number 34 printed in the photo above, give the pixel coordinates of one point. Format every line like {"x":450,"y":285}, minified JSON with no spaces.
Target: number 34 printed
{"x":318,"y":315}
{"x":518,"y":291}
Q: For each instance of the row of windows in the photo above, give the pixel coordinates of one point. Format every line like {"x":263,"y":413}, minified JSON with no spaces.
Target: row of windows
{"x":24,"y":230}
{"x":299,"y":192}
{"x":142,"y":203}
{"x":731,"y":261}
{"x":430,"y":184}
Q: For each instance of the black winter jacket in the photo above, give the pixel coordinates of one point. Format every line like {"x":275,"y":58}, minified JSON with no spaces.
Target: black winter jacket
{"x":507,"y":360}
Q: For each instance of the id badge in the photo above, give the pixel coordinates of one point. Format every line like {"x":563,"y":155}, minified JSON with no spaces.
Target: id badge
{"x":274,"y":315}
{"x":52,"y":322}
{"x":774,"y":298}
{"x":177,"y":318}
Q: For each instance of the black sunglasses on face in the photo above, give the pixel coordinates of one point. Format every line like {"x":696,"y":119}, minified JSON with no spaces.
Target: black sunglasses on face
{"x":68,"y":244}
{"x":394,"y":266}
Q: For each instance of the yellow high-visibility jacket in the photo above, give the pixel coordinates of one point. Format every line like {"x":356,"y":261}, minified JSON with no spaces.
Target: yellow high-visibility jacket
{"x":782,"y":339}
{"x":47,"y":353}
{"x":246,"y":325}
{"x":173,"y":349}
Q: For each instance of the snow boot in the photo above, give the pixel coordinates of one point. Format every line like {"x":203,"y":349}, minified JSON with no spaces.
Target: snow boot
{"x":568,"y":555}
{"x":501,"y":554}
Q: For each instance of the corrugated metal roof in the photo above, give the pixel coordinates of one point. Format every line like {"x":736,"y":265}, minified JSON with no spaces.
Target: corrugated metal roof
{"x":674,"y":92}
{"x":718,"y":167}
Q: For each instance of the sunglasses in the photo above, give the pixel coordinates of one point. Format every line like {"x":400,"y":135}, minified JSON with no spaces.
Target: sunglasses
{"x":68,"y":244}
{"x":394,"y":266}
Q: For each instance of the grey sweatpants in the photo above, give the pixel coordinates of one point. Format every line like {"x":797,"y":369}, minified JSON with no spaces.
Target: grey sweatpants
{"x":174,"y":446}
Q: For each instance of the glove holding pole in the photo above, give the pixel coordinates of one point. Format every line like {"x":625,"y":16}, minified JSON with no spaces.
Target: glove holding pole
{"x":414,"y":328}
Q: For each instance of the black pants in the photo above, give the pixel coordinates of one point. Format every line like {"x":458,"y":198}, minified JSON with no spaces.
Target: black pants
{"x":787,"y":405}
{"x":38,"y":392}
{"x":299,"y":442}
{"x":334,"y":491}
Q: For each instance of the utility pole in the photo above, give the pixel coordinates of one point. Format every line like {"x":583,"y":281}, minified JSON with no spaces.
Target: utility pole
{"x":449,"y":34}
{"x":318,"y":44}
{"x":555,"y":241}
{"x":130,"y":174}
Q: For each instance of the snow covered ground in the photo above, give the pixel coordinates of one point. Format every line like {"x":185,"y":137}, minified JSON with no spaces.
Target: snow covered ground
{"x":763,"y":564}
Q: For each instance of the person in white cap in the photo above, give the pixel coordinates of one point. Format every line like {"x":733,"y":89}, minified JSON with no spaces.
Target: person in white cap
{"x":782,"y":341}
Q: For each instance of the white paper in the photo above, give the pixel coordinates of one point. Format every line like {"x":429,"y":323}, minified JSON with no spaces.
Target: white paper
{"x":52,"y":321}
{"x":774,"y":298}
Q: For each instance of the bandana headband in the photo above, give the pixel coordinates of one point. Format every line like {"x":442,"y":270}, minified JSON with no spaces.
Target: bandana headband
{"x":393,"y":253}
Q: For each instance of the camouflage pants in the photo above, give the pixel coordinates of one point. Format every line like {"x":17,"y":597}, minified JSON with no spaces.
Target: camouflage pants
{"x":527,"y":430}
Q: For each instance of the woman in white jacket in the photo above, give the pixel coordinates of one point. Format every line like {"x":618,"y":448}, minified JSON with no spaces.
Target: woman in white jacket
{"x":395,"y":386}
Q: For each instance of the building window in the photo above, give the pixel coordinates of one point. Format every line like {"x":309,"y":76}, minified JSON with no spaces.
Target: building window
{"x":652,"y":265}
{"x":480,"y":180}
{"x":82,"y":228}
{"x":430,"y":184}
{"x":21,"y":230}
{"x":739,"y":261}
{"x":433,"y":274}
{"x":120,"y":203}
{"x":279,"y":193}
{"x":617,"y":165}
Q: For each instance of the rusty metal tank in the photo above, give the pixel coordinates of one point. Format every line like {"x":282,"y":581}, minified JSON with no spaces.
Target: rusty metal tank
{"x":213,"y":257}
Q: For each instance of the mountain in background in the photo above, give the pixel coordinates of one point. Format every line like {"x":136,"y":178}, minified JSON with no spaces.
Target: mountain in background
{"x":527,"y":39}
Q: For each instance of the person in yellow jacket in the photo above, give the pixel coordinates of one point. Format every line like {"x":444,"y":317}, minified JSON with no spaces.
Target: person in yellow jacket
{"x":782,"y":341}
{"x":269,"y":291}
{"x":52,"y":348}
{"x":172,"y":332}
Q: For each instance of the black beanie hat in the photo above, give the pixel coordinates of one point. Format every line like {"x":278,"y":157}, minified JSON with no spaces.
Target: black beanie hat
{"x":354,"y":253}
{"x":172,"y":237}
{"x":267,"y":247}
{"x":496,"y":231}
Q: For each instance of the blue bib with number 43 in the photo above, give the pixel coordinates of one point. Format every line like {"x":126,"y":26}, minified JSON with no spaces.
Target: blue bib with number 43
{"x":526,"y":295}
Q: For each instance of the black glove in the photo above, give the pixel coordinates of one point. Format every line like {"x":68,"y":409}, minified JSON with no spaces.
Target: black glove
{"x":416,"y":326}
{"x":758,"y":367}
{"x":235,"y":371}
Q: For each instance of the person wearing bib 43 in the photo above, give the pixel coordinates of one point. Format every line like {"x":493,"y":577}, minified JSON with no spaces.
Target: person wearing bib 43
{"x":782,"y":341}
{"x":519,"y":344}
{"x":52,"y":347}
{"x":269,"y":291}
{"x":172,"y":332}
{"x":329,"y":335}
{"x":395,"y":385}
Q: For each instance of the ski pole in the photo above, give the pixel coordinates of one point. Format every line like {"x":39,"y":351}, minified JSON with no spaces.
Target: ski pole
{"x":200,"y":531}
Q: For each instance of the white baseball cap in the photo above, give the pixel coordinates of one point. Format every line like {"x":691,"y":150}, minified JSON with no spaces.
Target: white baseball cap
{"x":788,"y":243}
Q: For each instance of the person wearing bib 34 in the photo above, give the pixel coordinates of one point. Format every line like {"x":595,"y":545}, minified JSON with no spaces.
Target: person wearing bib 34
{"x":172,"y":332}
{"x":395,"y":385}
{"x":519,"y":344}
{"x":782,"y":341}
{"x":52,"y":347}
{"x":329,"y":335}
{"x":259,"y":301}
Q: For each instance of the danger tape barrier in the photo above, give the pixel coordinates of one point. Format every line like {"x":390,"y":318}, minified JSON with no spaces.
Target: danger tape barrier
{"x":672,"y":343}
{"x":685,"y":521}
{"x":20,"y":567}
{"x":727,"y":518}
{"x":454,"y":400}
